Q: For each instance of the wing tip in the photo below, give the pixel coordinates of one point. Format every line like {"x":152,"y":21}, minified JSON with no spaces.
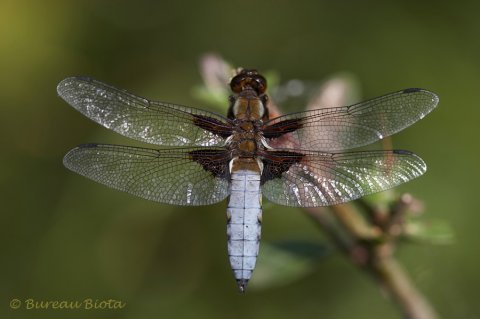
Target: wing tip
{"x":66,"y":159}
{"x":70,"y":80}
{"x":61,"y":85}
{"x":421,"y":165}
{"x":434,"y":96}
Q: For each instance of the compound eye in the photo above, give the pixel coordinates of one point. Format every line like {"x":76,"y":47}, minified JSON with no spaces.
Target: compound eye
{"x":236,"y":84}
{"x":261,"y":84}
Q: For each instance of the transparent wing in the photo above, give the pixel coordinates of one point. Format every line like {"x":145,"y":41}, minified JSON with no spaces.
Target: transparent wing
{"x":320,"y":179}
{"x":138,"y":118}
{"x":341,"y":128}
{"x":184,"y":176}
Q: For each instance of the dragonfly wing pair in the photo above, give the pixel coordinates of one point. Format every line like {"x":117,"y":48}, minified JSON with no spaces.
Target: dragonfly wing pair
{"x":176,"y":176}
{"x":297,"y":159}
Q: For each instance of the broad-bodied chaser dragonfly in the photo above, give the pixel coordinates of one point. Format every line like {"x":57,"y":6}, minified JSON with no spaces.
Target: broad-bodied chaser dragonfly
{"x":296,"y":159}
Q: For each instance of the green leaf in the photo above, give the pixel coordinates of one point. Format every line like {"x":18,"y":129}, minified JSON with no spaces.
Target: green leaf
{"x":433,"y":232}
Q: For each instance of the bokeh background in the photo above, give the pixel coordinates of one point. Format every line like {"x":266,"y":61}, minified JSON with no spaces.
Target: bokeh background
{"x":64,"y":237}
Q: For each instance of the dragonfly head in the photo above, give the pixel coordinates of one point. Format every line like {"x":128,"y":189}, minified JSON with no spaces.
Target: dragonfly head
{"x":248,"y":79}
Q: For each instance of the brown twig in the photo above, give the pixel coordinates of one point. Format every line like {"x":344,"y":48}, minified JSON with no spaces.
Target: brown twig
{"x":371,"y":248}
{"x":395,"y":281}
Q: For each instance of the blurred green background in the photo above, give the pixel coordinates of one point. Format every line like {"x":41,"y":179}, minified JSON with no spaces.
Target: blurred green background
{"x":64,"y":237}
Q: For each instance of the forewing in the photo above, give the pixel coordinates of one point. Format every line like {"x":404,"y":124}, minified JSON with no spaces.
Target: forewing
{"x":141,"y":119}
{"x":183,"y":176}
{"x":322,"y":179}
{"x":341,"y":128}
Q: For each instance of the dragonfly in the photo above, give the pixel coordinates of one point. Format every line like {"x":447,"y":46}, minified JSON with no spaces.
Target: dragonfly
{"x":300,"y":159}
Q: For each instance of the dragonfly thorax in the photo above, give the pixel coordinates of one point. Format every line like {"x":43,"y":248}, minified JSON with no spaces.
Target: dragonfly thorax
{"x":248,"y":107}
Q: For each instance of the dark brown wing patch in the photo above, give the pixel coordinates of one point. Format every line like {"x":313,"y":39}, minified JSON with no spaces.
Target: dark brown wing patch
{"x":213,"y":161}
{"x":275,"y":163}
{"x":278,"y":129}
{"x":212,"y":125}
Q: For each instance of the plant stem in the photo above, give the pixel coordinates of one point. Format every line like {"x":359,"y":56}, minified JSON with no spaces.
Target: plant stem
{"x":395,"y":281}
{"x":373,"y":256}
